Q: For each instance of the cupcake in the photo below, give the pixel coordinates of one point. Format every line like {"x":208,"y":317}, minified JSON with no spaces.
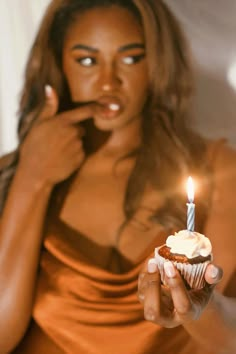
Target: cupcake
{"x":190,"y":252}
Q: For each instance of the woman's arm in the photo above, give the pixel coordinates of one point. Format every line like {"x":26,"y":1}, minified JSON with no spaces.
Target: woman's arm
{"x":216,"y":328}
{"x":20,"y":243}
{"x":209,"y":315}
{"x":51,"y":152}
{"x":217,"y":325}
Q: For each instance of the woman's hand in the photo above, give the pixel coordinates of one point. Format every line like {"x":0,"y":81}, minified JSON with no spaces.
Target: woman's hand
{"x":174,"y":305}
{"x":53,"y":149}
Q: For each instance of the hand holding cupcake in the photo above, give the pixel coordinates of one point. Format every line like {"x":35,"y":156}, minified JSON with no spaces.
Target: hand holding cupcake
{"x":179,"y":281}
{"x":190,"y":253}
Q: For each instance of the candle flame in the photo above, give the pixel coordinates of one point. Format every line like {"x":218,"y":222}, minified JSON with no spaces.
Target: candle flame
{"x":190,"y":189}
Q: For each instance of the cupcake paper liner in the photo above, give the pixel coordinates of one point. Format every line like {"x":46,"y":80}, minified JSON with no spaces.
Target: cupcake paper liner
{"x":192,"y":273}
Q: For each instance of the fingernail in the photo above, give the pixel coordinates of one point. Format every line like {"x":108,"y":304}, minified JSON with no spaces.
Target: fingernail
{"x":214,"y":271}
{"x":152,"y":266}
{"x":48,"y":90}
{"x":169,"y":269}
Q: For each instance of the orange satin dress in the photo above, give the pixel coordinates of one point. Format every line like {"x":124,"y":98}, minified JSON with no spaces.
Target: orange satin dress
{"x":82,"y":309}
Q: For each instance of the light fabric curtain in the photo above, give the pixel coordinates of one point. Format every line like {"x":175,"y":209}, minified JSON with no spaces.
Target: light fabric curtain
{"x":210,"y":26}
{"x":18,"y":23}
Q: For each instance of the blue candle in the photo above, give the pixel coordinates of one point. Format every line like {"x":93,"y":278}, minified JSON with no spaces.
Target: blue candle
{"x":190,"y":205}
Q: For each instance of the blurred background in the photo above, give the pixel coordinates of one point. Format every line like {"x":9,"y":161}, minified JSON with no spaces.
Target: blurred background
{"x":210,"y":26}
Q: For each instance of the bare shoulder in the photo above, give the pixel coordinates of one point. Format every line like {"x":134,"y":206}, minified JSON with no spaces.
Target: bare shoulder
{"x":222,"y":158}
{"x":221,"y":222}
{"x":221,"y":154}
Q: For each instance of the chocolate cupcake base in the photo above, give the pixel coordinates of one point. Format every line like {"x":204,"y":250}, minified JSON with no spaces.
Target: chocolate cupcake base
{"x":192,"y":270}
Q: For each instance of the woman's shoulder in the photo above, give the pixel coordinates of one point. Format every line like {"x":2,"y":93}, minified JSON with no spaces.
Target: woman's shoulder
{"x":222,"y":158}
{"x":221,"y":155}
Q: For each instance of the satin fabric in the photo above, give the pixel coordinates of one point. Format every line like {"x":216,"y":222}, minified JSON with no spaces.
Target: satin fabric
{"x":84,"y":309}
{"x":88,"y":310}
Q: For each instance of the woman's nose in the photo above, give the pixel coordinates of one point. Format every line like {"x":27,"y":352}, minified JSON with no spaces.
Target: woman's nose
{"x":109,"y":79}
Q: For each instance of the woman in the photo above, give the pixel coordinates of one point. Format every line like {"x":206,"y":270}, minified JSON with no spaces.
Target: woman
{"x":96,"y":184}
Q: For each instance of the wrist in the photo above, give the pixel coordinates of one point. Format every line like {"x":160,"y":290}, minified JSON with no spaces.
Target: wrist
{"x":31,"y":181}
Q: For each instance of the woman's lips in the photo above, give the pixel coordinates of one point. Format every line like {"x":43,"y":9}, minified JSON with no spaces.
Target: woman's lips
{"x":109,"y":107}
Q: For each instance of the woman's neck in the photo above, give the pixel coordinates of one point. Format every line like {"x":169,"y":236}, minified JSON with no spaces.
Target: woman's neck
{"x":116,"y":143}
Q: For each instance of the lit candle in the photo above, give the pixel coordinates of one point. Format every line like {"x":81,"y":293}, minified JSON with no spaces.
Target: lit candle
{"x":190,"y":205}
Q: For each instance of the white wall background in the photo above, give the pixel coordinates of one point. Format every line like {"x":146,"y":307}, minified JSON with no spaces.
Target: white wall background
{"x":210,"y":26}
{"x":18,"y":23}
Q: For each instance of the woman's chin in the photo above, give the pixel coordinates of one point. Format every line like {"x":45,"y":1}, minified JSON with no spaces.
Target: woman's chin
{"x":105,"y":123}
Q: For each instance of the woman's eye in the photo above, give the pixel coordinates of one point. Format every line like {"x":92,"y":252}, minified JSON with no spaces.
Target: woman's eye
{"x":86,"y":61}
{"x":133,"y":59}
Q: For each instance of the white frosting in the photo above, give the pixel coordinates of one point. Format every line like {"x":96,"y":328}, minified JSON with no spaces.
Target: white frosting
{"x":189,"y":243}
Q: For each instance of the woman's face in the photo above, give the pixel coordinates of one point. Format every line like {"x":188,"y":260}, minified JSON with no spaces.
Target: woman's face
{"x":104,"y":61}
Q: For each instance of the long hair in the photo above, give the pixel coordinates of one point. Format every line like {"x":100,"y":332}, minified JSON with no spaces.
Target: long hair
{"x":169,"y":150}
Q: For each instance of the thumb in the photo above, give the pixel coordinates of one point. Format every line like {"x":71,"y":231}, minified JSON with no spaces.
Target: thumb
{"x":213,"y":274}
{"x":51,"y":103}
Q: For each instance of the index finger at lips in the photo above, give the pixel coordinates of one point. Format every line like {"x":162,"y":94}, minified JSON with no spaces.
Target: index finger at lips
{"x":78,"y":115}
{"x":51,"y":104}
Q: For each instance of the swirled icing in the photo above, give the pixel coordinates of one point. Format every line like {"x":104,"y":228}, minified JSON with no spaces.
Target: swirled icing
{"x":189,"y":243}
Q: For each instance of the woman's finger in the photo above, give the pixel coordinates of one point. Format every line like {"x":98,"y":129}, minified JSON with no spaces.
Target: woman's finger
{"x":179,"y":293}
{"x":152,"y":298}
{"x":213,"y":274}
{"x":149,"y":274}
{"x":51,"y":103}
